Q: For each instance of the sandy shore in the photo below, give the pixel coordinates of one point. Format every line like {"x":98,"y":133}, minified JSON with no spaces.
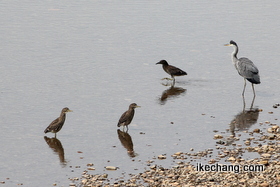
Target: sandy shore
{"x":263,"y":171}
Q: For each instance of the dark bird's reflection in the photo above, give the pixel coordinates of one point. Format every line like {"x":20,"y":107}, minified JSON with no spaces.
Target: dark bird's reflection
{"x":171,"y":92}
{"x":126,"y":141}
{"x":57,"y":147}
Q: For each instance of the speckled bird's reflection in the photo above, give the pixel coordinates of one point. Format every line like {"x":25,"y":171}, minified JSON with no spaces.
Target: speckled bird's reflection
{"x":171,"y":93}
{"x":126,"y":141}
{"x":57,"y":147}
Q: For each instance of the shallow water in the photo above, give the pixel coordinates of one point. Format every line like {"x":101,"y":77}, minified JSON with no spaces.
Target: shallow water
{"x":98,"y":57}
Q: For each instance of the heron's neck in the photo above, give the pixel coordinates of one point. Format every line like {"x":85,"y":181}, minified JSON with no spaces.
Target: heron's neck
{"x":234,"y":53}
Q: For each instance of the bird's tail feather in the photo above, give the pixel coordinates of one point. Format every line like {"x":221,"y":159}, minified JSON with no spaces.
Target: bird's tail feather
{"x":255,"y":79}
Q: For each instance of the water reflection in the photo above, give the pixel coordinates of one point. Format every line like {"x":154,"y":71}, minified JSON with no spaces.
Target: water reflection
{"x":242,"y":121}
{"x":171,"y":92}
{"x":57,"y":147}
{"x":126,"y":141}
{"x":245,"y":119}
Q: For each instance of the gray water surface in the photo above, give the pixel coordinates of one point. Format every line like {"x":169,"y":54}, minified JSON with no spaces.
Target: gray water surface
{"x":98,"y":57}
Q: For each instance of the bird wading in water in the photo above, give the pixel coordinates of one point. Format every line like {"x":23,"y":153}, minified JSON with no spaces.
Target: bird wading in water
{"x":171,"y":70}
{"x":245,"y":68}
{"x":57,"y":124}
{"x":127,"y":116}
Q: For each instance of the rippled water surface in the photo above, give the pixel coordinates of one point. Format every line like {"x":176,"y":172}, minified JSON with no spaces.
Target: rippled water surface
{"x":97,"y":57}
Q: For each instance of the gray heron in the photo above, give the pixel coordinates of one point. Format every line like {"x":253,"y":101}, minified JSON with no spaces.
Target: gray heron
{"x":245,"y":68}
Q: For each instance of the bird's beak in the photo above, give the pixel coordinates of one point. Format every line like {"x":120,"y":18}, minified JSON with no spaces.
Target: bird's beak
{"x":227,"y":45}
{"x":138,"y":106}
{"x":158,"y":63}
{"x":70,"y":111}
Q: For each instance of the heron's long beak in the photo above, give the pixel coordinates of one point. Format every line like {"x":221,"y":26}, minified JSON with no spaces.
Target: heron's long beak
{"x":138,"y":106}
{"x":158,"y":63}
{"x":227,"y":45}
{"x":69,"y":110}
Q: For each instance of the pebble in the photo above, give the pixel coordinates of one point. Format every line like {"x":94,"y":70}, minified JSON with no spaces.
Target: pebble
{"x":178,"y":153}
{"x":218,"y":136}
{"x":161,"y":157}
{"x":111,"y":168}
{"x":266,"y":155}
{"x":231,"y":159}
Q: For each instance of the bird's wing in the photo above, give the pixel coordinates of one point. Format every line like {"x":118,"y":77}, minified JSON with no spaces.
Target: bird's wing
{"x":175,"y":71}
{"x":123,"y":118}
{"x":126,"y":117}
{"x":246,"y":68}
{"x":52,"y":125}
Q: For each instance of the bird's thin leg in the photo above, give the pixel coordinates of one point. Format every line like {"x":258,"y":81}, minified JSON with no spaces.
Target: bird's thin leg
{"x":54,"y":135}
{"x":244,"y":87}
{"x":173,"y":81}
{"x":123,"y":128}
{"x":127,"y":128}
{"x":252,"y":102}
{"x":244,"y":103}
{"x":253,"y":90}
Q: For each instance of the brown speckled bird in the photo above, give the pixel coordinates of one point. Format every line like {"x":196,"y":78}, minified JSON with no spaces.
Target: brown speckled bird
{"x":57,"y":124}
{"x":171,"y":70}
{"x":127,"y":116}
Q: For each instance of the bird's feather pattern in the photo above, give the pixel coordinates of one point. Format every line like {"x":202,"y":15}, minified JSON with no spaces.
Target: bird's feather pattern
{"x":126,"y":118}
{"x":172,"y":70}
{"x":248,"y":70}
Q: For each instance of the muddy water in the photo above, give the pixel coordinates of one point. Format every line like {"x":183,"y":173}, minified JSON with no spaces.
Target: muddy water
{"x":98,"y":57}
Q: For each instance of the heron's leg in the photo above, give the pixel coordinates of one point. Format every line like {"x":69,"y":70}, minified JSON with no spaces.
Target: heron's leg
{"x":252,"y":103}
{"x":253,"y":90}
{"x":244,"y":103}
{"x":244,"y":87}
{"x":54,"y":135}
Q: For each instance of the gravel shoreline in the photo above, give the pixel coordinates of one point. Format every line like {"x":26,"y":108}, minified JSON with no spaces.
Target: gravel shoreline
{"x":263,"y":171}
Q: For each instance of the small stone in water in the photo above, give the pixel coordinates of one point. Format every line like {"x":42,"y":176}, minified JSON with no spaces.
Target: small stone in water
{"x":161,"y":157}
{"x":218,"y":136}
{"x":111,"y":168}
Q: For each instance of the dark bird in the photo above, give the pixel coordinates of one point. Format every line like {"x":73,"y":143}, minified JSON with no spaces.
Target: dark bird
{"x":245,"y":68}
{"x":171,"y":70}
{"x":127,"y":116}
{"x":57,"y":124}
